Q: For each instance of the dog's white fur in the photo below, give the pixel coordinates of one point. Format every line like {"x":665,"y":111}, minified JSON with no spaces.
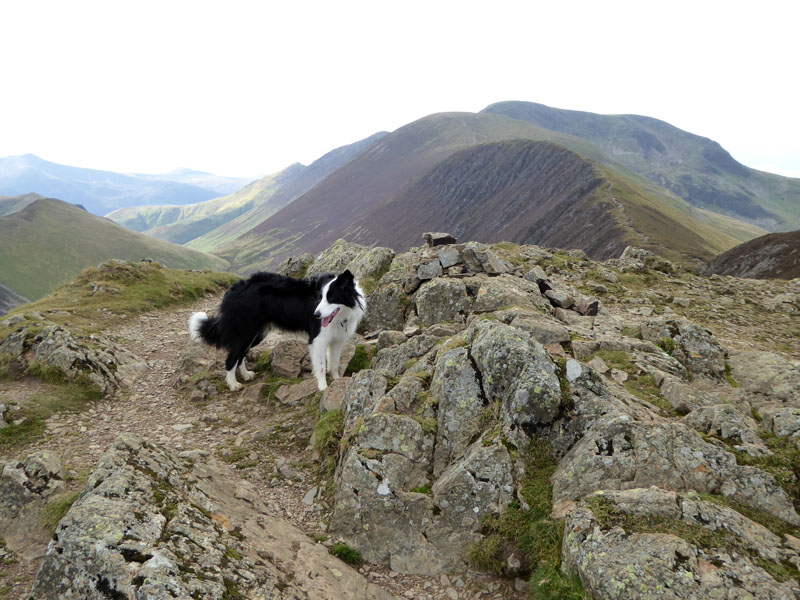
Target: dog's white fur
{"x":332,"y":338}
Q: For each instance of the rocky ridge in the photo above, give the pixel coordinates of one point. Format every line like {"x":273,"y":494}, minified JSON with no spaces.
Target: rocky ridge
{"x":666,"y":401}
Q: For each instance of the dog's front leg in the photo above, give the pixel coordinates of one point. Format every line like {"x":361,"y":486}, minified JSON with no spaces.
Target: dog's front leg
{"x":334,"y":357}
{"x":317,"y":350}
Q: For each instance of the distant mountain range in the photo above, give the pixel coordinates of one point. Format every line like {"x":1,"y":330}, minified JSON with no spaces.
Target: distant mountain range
{"x":516,"y":171}
{"x":49,"y":242}
{"x":101,"y":192}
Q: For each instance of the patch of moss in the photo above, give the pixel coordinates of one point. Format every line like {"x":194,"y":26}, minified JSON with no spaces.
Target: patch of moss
{"x":423,"y":489}
{"x":328,"y":432}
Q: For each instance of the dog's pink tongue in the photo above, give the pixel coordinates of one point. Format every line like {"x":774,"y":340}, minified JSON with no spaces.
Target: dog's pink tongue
{"x":327,"y":320}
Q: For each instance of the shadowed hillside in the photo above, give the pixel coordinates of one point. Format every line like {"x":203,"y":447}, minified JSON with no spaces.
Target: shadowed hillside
{"x":772,"y":256}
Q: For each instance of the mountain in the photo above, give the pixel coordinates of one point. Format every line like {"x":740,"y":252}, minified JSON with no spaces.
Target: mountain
{"x":11,"y":204}
{"x":99,"y":191}
{"x":695,"y":168}
{"x":481,"y":174}
{"x":207,"y":225}
{"x":772,"y":256}
{"x":207,"y":181}
{"x":50,"y":242}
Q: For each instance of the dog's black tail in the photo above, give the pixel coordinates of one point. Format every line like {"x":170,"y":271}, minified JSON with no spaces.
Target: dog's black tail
{"x":201,"y":328}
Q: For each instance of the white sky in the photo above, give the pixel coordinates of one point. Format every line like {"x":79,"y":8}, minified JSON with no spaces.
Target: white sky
{"x":248,"y":87}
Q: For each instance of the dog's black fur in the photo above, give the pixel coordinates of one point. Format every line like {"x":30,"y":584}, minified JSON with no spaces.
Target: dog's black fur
{"x":267,"y":301}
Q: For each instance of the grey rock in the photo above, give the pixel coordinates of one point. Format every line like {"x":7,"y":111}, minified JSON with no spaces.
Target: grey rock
{"x":396,"y":360}
{"x":295,"y":266}
{"x":782,"y":420}
{"x":104,"y":362}
{"x":438,"y":238}
{"x":726,"y":423}
{"x":25,"y":489}
{"x":768,"y":377}
{"x":479,"y":258}
{"x":449,"y":257}
{"x":441,"y":300}
{"x":429,"y":270}
{"x":335,"y":258}
{"x":516,"y":370}
{"x":460,"y":398}
{"x":371,"y":263}
{"x":615,"y":563}
{"x":695,"y":346}
{"x":619,"y":453}
{"x":506,"y":290}
{"x":287,"y":357}
{"x":388,"y":305}
{"x":365,"y":389}
{"x":334,"y":395}
{"x":559,"y":298}
{"x":148,"y":526}
{"x":390,"y":337}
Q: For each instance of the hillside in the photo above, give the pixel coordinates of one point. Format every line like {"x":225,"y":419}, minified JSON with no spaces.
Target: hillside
{"x":50,"y":242}
{"x":100,"y":192}
{"x":207,"y":225}
{"x":10,"y":204}
{"x":314,"y":220}
{"x":776,"y":255}
{"x":538,"y":193}
{"x":442,"y":172}
{"x":695,"y":168}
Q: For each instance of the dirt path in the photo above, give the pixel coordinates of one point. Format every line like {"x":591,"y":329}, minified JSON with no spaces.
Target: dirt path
{"x":264,"y":443}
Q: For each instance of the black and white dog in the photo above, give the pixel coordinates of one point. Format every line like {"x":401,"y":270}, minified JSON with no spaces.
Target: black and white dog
{"x":327,"y":308}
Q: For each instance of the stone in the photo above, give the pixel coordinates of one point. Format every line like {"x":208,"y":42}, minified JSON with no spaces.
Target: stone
{"x":371,"y":263}
{"x":506,"y":290}
{"x":767,"y":376}
{"x":559,"y":298}
{"x":26,"y":487}
{"x":726,"y":423}
{"x":544,"y":330}
{"x":448,"y":257}
{"x":390,"y":337}
{"x":334,"y":395}
{"x":695,"y":346}
{"x":588,"y":307}
{"x":478,"y":258}
{"x":460,"y":402}
{"x":296,"y":393}
{"x":295,"y":266}
{"x":619,"y":453}
{"x":388,"y":305}
{"x":441,"y":300}
{"x":429,"y":270}
{"x":335,"y":258}
{"x":438,"y":239}
{"x":517,"y":371}
{"x":783,"y":421}
{"x":287,"y":357}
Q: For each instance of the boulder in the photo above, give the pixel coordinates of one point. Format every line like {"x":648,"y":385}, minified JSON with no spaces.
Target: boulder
{"x":517,"y":371}
{"x":767,"y":376}
{"x":288,"y":356}
{"x":295,"y":266}
{"x":335,"y":258}
{"x":695,"y":346}
{"x":726,"y":423}
{"x":371,"y":263}
{"x":438,"y":239}
{"x":441,"y":300}
{"x":506,"y":290}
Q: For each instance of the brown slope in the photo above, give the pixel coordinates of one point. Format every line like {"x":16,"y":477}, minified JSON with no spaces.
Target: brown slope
{"x":772,"y":256}
{"x":316,"y":219}
{"x":539,"y":193}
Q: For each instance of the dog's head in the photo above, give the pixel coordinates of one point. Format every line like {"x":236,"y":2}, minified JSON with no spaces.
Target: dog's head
{"x":341,"y":291}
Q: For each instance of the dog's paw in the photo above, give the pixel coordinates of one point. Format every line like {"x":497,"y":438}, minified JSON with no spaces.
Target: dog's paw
{"x":248,"y":375}
{"x":322,"y":385}
{"x":235,"y":386}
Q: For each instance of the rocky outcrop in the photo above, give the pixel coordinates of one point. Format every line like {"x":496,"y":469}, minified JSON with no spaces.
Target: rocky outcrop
{"x":152,"y":525}
{"x":104,"y":363}
{"x":768,"y":256}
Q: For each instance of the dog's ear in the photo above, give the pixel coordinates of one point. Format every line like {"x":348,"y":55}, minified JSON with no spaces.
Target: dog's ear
{"x":346,"y":275}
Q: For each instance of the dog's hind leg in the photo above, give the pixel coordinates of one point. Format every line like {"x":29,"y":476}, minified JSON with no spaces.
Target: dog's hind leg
{"x":245,"y":373}
{"x":234,"y":360}
{"x":317,"y":350}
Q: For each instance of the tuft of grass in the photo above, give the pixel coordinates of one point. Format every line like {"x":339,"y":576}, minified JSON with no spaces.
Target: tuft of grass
{"x":55,"y":510}
{"x":667,"y":344}
{"x":346,"y":553}
{"x":361,"y":360}
{"x":328,"y":432}
{"x":728,"y":374}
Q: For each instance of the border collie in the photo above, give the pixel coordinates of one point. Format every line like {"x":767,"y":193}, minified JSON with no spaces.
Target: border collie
{"x":327,"y":308}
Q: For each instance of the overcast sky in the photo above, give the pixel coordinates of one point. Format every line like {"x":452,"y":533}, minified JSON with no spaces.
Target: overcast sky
{"x":247,"y":88}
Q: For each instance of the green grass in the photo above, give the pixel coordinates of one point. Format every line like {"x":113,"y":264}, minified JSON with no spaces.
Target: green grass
{"x":103,"y":296}
{"x":62,"y":394}
{"x":55,"y":510}
{"x":532,"y":531}
{"x":783,"y":464}
{"x":346,"y":553}
{"x":328,"y":432}
{"x":361,"y":360}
